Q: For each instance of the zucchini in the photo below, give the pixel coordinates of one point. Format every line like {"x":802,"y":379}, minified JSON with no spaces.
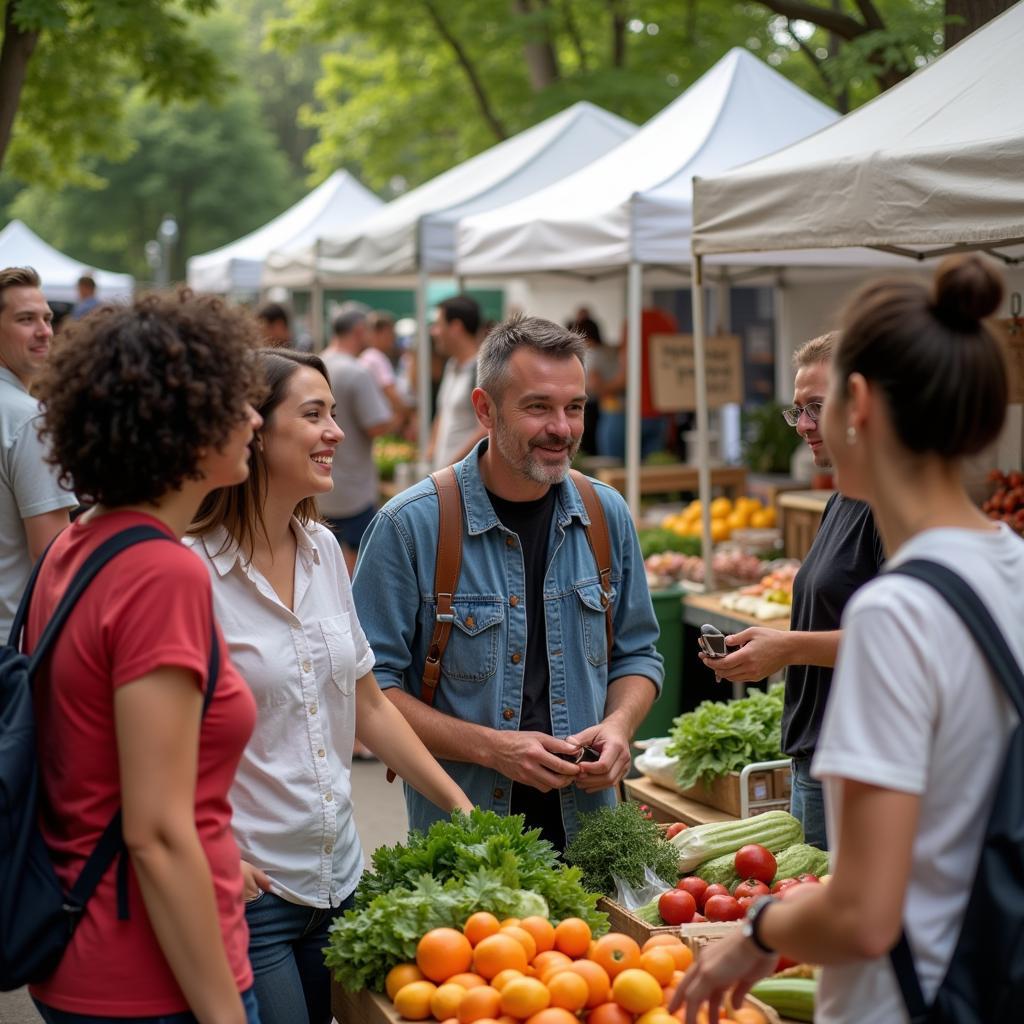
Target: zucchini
{"x":775,"y":830}
{"x":791,"y":997}
{"x":719,"y":869}
{"x":800,"y":859}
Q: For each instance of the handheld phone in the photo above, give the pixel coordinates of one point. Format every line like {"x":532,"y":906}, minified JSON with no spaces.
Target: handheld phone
{"x":583,"y":754}
{"x":712,"y":641}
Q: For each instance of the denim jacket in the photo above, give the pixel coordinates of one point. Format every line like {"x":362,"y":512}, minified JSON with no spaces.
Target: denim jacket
{"x":483,"y":666}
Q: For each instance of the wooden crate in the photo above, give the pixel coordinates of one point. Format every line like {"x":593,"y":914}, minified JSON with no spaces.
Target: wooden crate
{"x":361,"y":1007}
{"x":723,"y":793}
{"x":694,"y":935}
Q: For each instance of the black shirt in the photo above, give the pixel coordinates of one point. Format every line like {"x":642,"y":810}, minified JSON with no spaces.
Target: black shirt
{"x":846,"y":553}
{"x":531,"y":521}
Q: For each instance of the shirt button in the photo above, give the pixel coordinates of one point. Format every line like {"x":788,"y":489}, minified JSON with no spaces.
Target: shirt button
{"x":312,"y":709}
{"x":328,"y":847}
{"x":470,"y":622}
{"x":321,"y":752}
{"x":508,"y":714}
{"x":329,"y":797}
{"x":510,"y":542}
{"x":499,"y":793}
{"x":513,"y":600}
{"x":516,"y":658}
{"x":306,"y":666}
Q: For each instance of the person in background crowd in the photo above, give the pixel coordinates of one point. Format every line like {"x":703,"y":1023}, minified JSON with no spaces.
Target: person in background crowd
{"x":602,"y":366}
{"x":33,"y":505}
{"x":846,"y":553}
{"x":378,"y":357}
{"x":527,"y":676}
{"x":363,"y":413}
{"x":147,"y":411}
{"x":278,"y":329}
{"x":919,"y":383}
{"x":87,"y":300}
{"x":456,"y":335}
{"x":282,"y":594}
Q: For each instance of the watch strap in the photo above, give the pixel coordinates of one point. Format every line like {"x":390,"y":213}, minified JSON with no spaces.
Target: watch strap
{"x":754,"y":915}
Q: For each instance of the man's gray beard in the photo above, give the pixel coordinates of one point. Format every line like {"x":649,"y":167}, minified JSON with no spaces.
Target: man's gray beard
{"x":531,"y":469}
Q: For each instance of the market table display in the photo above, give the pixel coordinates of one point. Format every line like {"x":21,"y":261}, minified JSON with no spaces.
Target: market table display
{"x":800,"y":515}
{"x":673,"y":478}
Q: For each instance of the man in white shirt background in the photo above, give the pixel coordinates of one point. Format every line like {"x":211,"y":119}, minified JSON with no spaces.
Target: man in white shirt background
{"x":377,"y":356}
{"x":33,"y":505}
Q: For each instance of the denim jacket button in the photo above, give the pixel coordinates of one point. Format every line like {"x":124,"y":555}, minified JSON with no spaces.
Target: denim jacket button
{"x":508,"y":714}
{"x":510,"y":542}
{"x":499,"y":793}
{"x":513,"y":600}
{"x":516,"y":658}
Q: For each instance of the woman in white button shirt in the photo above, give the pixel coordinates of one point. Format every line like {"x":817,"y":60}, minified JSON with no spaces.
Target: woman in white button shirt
{"x":284,"y":601}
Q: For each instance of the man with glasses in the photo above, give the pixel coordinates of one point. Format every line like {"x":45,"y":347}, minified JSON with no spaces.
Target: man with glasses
{"x":847,"y":552}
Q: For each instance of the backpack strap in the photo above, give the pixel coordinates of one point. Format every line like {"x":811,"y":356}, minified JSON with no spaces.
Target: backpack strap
{"x":962,"y":598}
{"x":600,"y":543}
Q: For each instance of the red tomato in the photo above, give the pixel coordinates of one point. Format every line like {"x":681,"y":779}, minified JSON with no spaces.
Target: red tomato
{"x":675,"y":828}
{"x":714,"y":890}
{"x":784,"y":964}
{"x":722,"y":908}
{"x":696,"y":887}
{"x":699,"y":918}
{"x":677,"y":907}
{"x":751,"y":887}
{"x":797,"y":891}
{"x":744,"y":902}
{"x":755,"y":861}
{"x":783,"y":883}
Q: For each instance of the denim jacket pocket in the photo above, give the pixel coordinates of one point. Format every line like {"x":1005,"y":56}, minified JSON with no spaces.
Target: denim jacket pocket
{"x":337,"y":634}
{"x":592,"y":616}
{"x":472,"y":652}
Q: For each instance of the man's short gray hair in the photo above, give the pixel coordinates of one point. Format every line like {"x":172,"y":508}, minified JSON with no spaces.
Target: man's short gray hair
{"x":519,"y":331}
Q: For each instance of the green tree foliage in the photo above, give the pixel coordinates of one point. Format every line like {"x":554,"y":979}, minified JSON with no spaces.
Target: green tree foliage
{"x":65,"y":68}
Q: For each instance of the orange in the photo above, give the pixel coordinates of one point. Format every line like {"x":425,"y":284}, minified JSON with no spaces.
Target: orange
{"x":412,"y":1001}
{"x":635,"y":990}
{"x":542,"y":930}
{"x":677,"y":977}
{"x":443,"y":952}
{"x":478,"y":1003}
{"x":509,"y":921}
{"x":549,"y":961}
{"x":553,"y":1015}
{"x":616,"y":952}
{"x":659,"y":1015}
{"x":523,"y":937}
{"x":568,"y":990}
{"x":505,"y":1019}
{"x":523,"y":997}
{"x":497,"y":953}
{"x":596,"y":978}
{"x":445,"y":1001}
{"x":399,"y":976}
{"x":659,"y":963}
{"x":748,"y":1015}
{"x":682,"y":953}
{"x":479,"y":925}
{"x":466,"y":979}
{"x":502,"y":978}
{"x":572,"y":937}
{"x":609,"y":1013}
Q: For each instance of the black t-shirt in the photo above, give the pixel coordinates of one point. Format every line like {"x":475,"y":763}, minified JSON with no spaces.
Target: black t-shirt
{"x":846,"y":553}
{"x":531,"y":521}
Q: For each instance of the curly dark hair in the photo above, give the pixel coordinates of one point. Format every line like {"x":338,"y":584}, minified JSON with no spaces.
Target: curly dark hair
{"x":133,"y":394}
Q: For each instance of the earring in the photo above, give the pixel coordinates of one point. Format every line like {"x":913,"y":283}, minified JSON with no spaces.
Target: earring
{"x":851,"y":435}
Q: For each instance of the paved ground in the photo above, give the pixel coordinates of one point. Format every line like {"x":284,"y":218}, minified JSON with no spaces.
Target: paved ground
{"x":380,"y":816}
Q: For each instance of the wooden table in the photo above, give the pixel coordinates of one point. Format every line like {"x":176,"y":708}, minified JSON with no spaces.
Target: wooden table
{"x":701,"y":608}
{"x":667,"y":805}
{"x":800,"y":516}
{"x":679,"y":477}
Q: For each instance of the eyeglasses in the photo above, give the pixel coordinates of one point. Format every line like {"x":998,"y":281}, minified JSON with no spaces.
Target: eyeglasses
{"x":794,"y":412}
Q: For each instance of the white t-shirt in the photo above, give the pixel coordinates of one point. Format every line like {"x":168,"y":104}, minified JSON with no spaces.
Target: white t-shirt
{"x":292,"y":796}
{"x":915,"y":708}
{"x":457,"y":424}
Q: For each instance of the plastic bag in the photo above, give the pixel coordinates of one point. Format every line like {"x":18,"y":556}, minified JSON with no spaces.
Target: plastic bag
{"x":631,"y":897}
{"x":656,"y":765}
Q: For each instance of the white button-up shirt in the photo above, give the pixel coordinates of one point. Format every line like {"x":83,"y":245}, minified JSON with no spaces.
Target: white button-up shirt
{"x":292,"y":795}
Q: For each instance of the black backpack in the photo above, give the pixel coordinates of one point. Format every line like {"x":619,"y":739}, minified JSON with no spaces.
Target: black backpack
{"x":985,"y":979}
{"x":37,"y":916}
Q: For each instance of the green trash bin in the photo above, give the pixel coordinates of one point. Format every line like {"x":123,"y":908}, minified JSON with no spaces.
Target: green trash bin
{"x":668,"y":609}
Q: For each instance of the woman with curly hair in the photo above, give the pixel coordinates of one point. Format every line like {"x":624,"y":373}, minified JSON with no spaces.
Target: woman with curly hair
{"x":282,"y":594}
{"x":147,"y":409}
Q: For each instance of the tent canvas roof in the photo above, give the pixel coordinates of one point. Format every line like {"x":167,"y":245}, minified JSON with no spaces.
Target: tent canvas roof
{"x":933,"y":162}
{"x":20,"y":246}
{"x":635,"y":203}
{"x":336,"y":204}
{"x":416,"y":231}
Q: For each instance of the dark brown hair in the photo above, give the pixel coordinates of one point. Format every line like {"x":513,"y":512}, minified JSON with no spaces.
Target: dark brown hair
{"x":940,"y":367}
{"x":239,"y":509}
{"x":17,"y":277}
{"x":132,"y":395}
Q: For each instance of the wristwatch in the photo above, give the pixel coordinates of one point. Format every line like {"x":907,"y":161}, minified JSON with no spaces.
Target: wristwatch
{"x":753,"y":920}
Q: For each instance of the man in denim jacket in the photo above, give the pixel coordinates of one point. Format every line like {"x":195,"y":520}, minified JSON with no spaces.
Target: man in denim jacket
{"x":527,"y":678}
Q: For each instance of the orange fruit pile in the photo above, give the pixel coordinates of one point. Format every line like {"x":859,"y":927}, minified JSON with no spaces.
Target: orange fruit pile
{"x":532,"y":972}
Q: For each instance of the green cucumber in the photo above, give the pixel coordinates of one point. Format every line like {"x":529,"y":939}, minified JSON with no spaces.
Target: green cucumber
{"x":790,"y":997}
{"x":800,"y":859}
{"x":775,"y":830}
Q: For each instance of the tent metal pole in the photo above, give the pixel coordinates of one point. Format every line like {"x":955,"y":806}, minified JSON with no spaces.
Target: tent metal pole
{"x":423,"y":369}
{"x":701,"y":388}
{"x":316,"y":302}
{"x":634,"y":369}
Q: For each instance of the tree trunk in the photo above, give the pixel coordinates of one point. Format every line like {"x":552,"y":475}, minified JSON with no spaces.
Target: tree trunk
{"x":618,"y":13}
{"x":971,"y":14}
{"x":14,"y":58}
{"x":538,"y":50}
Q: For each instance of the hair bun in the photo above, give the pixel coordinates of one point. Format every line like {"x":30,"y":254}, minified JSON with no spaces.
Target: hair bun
{"x":968,"y":288}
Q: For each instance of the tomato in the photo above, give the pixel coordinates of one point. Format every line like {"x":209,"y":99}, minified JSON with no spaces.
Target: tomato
{"x":722,"y":908}
{"x":783,"y":883}
{"x":744,"y":901}
{"x":696,"y":887}
{"x":677,"y":907}
{"x":784,"y":964}
{"x":813,"y":879}
{"x":755,"y":861}
{"x":713,"y":890}
{"x":675,"y":828}
{"x":751,"y":887}
{"x":798,"y":891}
{"x":699,"y":919}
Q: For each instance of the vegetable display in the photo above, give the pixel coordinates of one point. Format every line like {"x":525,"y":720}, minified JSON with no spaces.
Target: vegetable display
{"x":774,"y":830}
{"x":800,"y":859}
{"x":725,"y":736}
{"x":792,"y":997}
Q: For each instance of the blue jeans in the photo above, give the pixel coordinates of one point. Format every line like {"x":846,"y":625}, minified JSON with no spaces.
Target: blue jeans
{"x":611,"y":434}
{"x":52,"y":1016}
{"x":807,"y":803}
{"x":286,"y":943}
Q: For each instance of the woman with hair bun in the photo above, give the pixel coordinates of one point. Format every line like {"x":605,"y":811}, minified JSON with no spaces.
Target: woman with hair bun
{"x":917,"y":726}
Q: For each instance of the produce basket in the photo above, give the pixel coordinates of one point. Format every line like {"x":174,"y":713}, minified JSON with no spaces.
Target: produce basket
{"x":694,"y":935}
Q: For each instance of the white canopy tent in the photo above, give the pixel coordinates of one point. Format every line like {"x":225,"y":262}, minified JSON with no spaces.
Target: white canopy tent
{"x":414,"y":234}
{"x":930,"y":167}
{"x":20,"y":246}
{"x":336,"y":204}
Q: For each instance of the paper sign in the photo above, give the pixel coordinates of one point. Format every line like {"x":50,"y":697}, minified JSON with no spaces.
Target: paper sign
{"x":672,"y":373}
{"x":1013,"y":336}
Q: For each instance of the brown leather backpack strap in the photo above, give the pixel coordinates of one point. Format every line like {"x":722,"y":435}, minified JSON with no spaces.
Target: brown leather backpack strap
{"x":600,"y":543}
{"x":447,"y":566}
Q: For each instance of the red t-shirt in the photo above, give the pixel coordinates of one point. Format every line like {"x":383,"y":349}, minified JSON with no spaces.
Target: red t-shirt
{"x":652,"y":321}
{"x":149,"y":608}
